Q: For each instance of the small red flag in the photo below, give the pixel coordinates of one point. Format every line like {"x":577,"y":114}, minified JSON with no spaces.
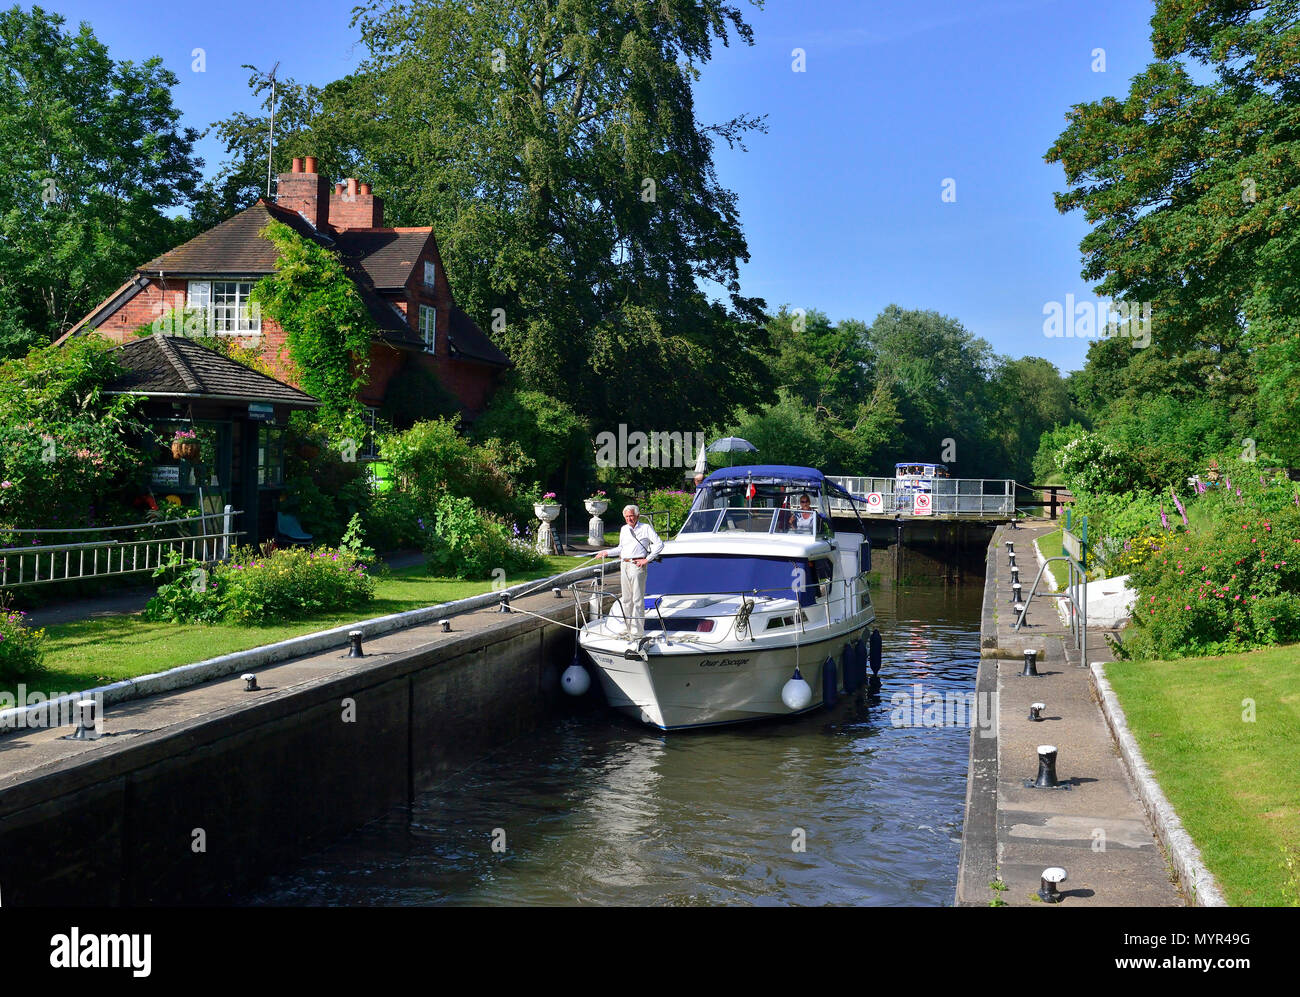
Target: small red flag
{"x":751,"y":491}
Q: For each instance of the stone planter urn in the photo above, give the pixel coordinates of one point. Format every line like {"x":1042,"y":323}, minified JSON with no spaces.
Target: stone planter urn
{"x":548,"y":513}
{"x":596,"y":525}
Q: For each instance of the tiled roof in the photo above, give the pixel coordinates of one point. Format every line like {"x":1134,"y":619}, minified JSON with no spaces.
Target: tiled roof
{"x":468,"y":340}
{"x":235,"y":247}
{"x":175,"y":365}
{"x":387,"y":255}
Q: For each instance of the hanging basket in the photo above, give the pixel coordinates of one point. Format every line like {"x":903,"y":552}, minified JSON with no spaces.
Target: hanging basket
{"x":186,"y":450}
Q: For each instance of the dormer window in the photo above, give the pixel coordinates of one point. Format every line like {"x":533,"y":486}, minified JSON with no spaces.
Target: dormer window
{"x":430,"y":275}
{"x":428,"y":327}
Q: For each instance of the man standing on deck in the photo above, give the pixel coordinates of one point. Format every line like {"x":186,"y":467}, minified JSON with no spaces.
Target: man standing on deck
{"x":638,"y":545}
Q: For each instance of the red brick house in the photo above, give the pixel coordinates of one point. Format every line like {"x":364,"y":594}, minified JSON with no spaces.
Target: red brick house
{"x":397,"y":271}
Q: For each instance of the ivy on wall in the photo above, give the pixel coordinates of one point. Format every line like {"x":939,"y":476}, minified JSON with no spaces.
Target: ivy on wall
{"x":327,"y":326}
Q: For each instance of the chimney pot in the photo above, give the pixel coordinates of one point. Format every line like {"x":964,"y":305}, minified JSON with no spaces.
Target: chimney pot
{"x":365,"y":188}
{"x":352,"y":187}
{"x":338,"y":189}
{"x":310,"y":164}
{"x":297,"y":165}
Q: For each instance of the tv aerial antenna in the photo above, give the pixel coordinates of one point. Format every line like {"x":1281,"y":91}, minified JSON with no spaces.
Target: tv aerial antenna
{"x":270,"y":148}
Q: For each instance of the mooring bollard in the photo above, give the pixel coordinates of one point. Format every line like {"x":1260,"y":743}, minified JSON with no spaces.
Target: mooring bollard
{"x":1015,"y":591}
{"x":1036,"y":711}
{"x":1031,"y":660}
{"x":1011,"y":546}
{"x":1015,"y":574}
{"x":446,"y":626}
{"x":354,"y":639}
{"x":1046,"y":767}
{"x":87,"y":722}
{"x":505,"y":603}
{"x":1047,"y":890}
{"x":250,"y":682}
{"x":558,"y":592}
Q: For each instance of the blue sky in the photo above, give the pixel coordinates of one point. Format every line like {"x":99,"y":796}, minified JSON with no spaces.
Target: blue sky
{"x":841,"y":199}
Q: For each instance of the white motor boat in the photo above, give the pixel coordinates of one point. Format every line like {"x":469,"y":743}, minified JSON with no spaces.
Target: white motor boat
{"x":755,"y":596}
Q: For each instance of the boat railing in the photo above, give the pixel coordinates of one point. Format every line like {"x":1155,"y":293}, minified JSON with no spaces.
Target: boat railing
{"x":832,"y":600}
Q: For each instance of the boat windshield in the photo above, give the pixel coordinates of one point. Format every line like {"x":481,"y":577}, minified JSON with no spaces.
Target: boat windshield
{"x":773,"y":507}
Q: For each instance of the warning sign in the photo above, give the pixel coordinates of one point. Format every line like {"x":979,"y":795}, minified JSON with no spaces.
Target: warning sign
{"x":875,"y":502}
{"x":921,"y":504}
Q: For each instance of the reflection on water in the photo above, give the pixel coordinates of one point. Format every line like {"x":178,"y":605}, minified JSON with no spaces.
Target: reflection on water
{"x":597,"y":810}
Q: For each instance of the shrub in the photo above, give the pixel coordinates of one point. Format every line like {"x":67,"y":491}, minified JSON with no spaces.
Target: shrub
{"x":676,"y":504}
{"x":1231,"y":585}
{"x":432,"y":459}
{"x":290,"y":583}
{"x":467,"y":543}
{"x":22,"y":649}
{"x":393,"y":521}
{"x":191,"y":596}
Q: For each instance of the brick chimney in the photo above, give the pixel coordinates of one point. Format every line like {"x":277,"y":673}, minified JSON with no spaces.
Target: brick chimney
{"x":306,"y":191}
{"x":354,"y":206}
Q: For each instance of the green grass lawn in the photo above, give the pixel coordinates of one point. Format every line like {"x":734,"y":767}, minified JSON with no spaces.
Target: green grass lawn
{"x":1234,"y":783}
{"x":1049,"y":545}
{"x":107,"y":649}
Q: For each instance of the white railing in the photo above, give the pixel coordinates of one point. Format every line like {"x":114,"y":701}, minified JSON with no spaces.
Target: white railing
{"x":41,"y":563}
{"x":972,"y":498}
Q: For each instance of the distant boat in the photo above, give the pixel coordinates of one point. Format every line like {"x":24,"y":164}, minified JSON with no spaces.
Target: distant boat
{"x":756,"y":609}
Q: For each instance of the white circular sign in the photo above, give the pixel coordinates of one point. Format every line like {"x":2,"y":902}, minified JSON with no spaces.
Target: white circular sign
{"x":875,"y":502}
{"x":921,"y":503}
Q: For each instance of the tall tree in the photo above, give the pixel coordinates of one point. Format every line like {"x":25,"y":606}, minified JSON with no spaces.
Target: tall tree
{"x":1192,"y":189}
{"x":555,"y":148}
{"x":93,"y":156}
{"x":940,"y":373}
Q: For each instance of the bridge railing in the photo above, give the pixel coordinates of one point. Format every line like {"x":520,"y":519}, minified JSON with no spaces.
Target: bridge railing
{"x":974,"y":498}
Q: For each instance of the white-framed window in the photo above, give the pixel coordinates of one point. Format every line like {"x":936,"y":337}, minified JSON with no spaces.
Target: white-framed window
{"x":428,"y":326}
{"x":227,"y":305}
{"x":430,"y":274}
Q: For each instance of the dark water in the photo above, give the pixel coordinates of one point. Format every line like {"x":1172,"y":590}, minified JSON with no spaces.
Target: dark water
{"x":598,"y":810}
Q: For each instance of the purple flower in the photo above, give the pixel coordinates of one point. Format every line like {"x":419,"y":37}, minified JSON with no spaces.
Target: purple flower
{"x":1164,"y":520}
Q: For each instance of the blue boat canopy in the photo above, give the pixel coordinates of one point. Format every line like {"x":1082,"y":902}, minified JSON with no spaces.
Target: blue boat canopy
{"x":803,"y":477}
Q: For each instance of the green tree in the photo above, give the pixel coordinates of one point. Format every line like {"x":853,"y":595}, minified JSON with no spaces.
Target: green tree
{"x":940,"y":375}
{"x":1191,"y":189}
{"x":93,"y":156}
{"x":556,"y":151}
{"x":1030,"y":398}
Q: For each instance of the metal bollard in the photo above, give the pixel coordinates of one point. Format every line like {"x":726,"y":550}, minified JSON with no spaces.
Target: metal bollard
{"x":250,"y":682}
{"x":1015,"y":574}
{"x":354,"y":640}
{"x":1015,"y":591}
{"x":1046,"y":767}
{"x":558,"y":592}
{"x":446,"y":626}
{"x":1036,"y":711}
{"x":505,"y":603}
{"x":1031,"y":660}
{"x":1047,"y":891}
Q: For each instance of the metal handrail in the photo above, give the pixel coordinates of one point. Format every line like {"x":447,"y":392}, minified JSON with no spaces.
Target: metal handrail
{"x":130,"y":526}
{"x":1079,"y":614}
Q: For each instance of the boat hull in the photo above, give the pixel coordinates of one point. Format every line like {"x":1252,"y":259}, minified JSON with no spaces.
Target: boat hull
{"x":673,"y":689}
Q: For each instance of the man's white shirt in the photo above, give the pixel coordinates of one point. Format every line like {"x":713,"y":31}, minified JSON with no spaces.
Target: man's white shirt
{"x":636,"y":542}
